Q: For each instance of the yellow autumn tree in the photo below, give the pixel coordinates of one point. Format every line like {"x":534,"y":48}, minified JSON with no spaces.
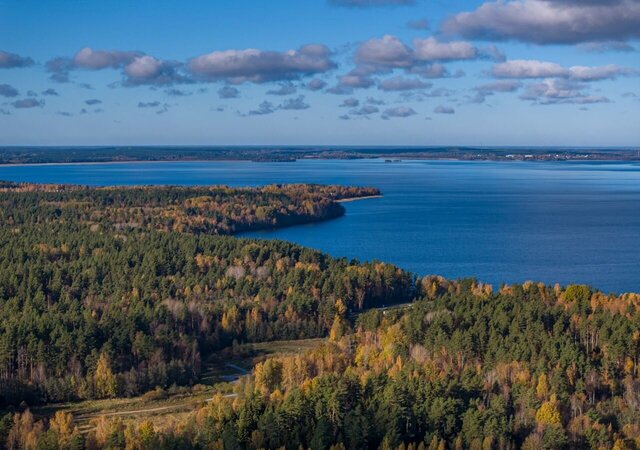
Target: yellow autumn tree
{"x":542,"y":389}
{"x":148,"y":439}
{"x":102,"y":429}
{"x":338,"y":328}
{"x":25,"y":432}
{"x":341,"y":309}
{"x":548,"y":414}
{"x":620,"y":444}
{"x":64,"y":428}
{"x":104,"y":380}
{"x":268,"y":375}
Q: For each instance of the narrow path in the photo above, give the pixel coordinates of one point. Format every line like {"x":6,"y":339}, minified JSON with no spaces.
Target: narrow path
{"x":85,"y":428}
{"x":150,"y":410}
{"x":88,"y":416}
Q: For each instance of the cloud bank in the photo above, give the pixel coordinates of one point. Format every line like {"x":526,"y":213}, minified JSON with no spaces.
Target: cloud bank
{"x":521,"y":68}
{"x":137,"y":68}
{"x":549,"y":21}
{"x":258,"y":66}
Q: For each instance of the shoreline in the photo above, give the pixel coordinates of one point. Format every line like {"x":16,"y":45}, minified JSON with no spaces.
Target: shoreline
{"x":229,"y":160}
{"x":355,"y":199}
{"x":136,"y":161}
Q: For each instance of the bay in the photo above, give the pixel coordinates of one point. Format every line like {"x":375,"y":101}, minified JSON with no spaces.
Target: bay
{"x":565,"y":222}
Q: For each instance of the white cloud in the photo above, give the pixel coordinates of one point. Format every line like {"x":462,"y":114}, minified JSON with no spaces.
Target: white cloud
{"x":431,"y":50}
{"x":559,"y":91}
{"x":521,"y":68}
{"x":258,"y":66}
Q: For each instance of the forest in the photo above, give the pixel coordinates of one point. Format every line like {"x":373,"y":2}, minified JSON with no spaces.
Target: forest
{"x":136,"y":283}
{"x":209,"y":210}
{"x":65,"y":155}
{"x":115,"y":292}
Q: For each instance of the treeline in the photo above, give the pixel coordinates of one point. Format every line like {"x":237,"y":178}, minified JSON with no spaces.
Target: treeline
{"x":51,"y":155}
{"x":211,"y":210}
{"x":529,"y":367}
{"x":45,"y":155}
{"x":104,"y":311}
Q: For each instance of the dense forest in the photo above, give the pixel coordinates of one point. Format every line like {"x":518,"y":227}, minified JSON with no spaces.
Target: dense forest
{"x":529,"y":366}
{"x":210,"y":210}
{"x":109,"y":292}
{"x":113,"y":292}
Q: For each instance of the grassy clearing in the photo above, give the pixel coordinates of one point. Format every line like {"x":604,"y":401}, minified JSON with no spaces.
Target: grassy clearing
{"x":221,"y":371}
{"x":233,"y":362}
{"x":152,"y":405}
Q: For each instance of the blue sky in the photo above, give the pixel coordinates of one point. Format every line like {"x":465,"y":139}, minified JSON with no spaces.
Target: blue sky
{"x":320,"y":72}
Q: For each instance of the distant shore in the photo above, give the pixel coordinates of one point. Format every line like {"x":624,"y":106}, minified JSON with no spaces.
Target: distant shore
{"x":32,"y":156}
{"x":134,"y":161}
{"x":230,"y":160}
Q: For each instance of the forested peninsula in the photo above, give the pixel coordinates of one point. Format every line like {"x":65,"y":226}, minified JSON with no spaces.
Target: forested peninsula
{"x":112,"y":293}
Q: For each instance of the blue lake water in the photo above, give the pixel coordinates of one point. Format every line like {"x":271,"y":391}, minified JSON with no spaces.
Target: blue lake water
{"x":499,"y":222}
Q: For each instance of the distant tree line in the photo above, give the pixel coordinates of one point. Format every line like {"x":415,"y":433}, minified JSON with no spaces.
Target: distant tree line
{"x":48,"y":155}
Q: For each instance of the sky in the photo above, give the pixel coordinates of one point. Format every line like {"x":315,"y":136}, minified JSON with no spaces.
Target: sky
{"x":320,"y":72}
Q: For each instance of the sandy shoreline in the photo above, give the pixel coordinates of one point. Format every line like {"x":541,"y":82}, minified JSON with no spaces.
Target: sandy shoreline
{"x":355,"y":199}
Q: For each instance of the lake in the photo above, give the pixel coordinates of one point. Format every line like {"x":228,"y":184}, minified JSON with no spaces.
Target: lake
{"x":565,"y":222}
